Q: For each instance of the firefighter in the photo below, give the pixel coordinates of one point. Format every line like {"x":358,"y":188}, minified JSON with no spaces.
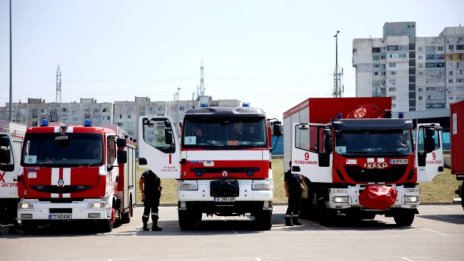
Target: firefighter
{"x":150,"y":186}
{"x":293,"y":190}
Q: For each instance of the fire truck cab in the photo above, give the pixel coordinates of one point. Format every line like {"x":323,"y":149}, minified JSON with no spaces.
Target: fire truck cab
{"x":222,"y":162}
{"x":76,"y":173}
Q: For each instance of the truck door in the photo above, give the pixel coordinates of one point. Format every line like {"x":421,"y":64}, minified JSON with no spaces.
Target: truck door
{"x":159,"y":146}
{"x":429,"y":152}
{"x":311,"y":153}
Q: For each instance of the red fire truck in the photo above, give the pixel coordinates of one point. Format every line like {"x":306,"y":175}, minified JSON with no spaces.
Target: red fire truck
{"x":11,"y":140}
{"x":457,"y":144}
{"x":357,"y":160}
{"x":76,"y":173}
{"x":222,"y":162}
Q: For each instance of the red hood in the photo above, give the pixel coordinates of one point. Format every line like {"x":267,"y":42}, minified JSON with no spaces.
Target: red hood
{"x":77,"y":182}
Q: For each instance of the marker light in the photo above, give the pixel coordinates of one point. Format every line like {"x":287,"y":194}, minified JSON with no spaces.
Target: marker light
{"x":87,"y":123}
{"x":340,"y":199}
{"x":339,"y":115}
{"x":44,"y":123}
{"x":266,"y":185}
{"x":188,"y":187}
{"x":401,"y":115}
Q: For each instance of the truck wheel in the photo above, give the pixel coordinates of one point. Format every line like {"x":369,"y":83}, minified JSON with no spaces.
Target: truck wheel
{"x":462,"y":194}
{"x":126,"y":217}
{"x":29,"y":226}
{"x":263,"y":219}
{"x":188,"y":220}
{"x":404,"y":218}
{"x":105,"y":226}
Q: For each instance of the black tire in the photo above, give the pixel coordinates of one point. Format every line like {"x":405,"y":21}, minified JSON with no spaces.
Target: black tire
{"x":189,"y":220}
{"x":126,"y":217}
{"x":462,"y":194}
{"x":29,"y":226}
{"x":263,"y":219}
{"x":105,"y":226}
{"x":404,"y":218}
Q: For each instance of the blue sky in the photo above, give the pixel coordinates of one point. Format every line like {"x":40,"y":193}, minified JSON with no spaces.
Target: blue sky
{"x":272,"y":53}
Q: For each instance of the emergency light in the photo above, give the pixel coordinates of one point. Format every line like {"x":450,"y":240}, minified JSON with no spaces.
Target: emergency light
{"x":87,"y":123}
{"x":246,"y":105}
{"x":44,"y":123}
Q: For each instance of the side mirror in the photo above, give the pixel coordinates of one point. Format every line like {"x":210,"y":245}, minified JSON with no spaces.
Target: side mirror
{"x":168,"y":136}
{"x":328,"y":141}
{"x":142,"y":161}
{"x":277,"y":128}
{"x":122,"y":156}
{"x":121,"y":143}
{"x":4,"y":141}
{"x":8,"y":167}
{"x":5,"y":156}
{"x":429,"y":142}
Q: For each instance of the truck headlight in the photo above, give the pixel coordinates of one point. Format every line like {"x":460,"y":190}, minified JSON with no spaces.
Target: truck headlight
{"x":188,"y":186}
{"x":340,"y":199}
{"x":100,"y":204}
{"x":261,"y":185}
{"x":411,"y":199}
{"x":25,"y":205}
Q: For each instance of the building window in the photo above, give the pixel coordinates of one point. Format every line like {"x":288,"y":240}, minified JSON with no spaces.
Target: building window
{"x":440,"y":48}
{"x":391,"y":64}
{"x":376,"y":57}
{"x":451,"y":47}
{"x":459,"y":47}
{"x":120,"y":124}
{"x":392,"y":89}
{"x":129,"y":116}
{"x":393,"y":72}
{"x":376,"y":49}
{"x":120,"y":116}
{"x":355,"y":50}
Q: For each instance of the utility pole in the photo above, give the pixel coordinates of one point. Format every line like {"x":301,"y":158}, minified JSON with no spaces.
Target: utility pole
{"x":338,"y":87}
{"x":11,"y":71}
{"x":58,"y":93}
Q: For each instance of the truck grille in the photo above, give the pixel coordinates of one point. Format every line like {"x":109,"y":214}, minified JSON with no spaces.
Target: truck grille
{"x":224,"y":188}
{"x":359,"y":174}
{"x":63,"y":189}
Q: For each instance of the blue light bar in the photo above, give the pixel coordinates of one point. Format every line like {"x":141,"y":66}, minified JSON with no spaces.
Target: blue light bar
{"x":339,"y":115}
{"x":87,"y":123}
{"x":401,"y":115}
{"x":44,"y":123}
{"x":203,"y":105}
{"x":246,"y":105}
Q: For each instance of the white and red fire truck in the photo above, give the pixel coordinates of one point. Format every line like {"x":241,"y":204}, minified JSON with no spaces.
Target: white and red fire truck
{"x":81,"y":173}
{"x":11,"y":140}
{"x":358,"y":161}
{"x":222,"y":162}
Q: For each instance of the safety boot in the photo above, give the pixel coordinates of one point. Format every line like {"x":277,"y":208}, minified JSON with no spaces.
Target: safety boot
{"x":288,"y":221}
{"x":145,"y":226}
{"x":296,"y":221}
{"x":156,"y":227}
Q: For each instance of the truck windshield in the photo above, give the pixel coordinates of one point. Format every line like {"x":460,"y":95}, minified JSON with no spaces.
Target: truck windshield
{"x":224,"y":132}
{"x":391,"y":142}
{"x":53,"y":149}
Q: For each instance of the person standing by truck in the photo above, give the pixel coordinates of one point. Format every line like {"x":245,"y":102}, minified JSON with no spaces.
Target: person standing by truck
{"x":293,"y":191}
{"x":150,"y":187}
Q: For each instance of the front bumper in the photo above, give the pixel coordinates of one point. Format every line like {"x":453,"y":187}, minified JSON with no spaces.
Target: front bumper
{"x":88,"y":209}
{"x":345,"y":198}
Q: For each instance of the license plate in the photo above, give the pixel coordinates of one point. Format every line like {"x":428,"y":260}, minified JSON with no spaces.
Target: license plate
{"x":224,"y":199}
{"x":60,"y":216}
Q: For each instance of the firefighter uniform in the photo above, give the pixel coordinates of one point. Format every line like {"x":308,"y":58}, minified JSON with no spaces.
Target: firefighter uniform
{"x":150,"y":186}
{"x":294,"y":190}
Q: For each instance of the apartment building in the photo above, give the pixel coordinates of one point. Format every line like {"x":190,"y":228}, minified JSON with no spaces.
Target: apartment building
{"x":125,"y":114}
{"x":419,"y":73}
